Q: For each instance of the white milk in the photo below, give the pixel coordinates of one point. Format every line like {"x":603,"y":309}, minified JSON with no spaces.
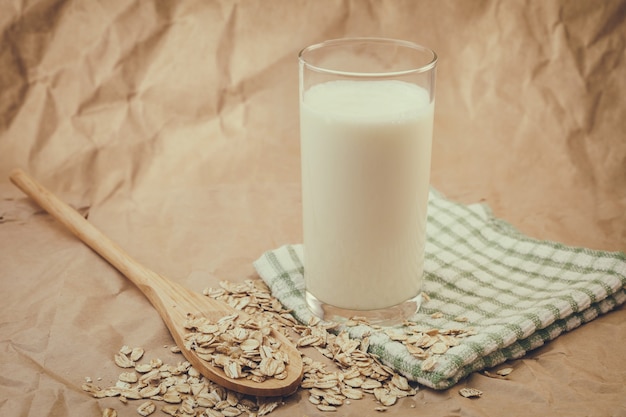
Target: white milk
{"x":366,"y":149}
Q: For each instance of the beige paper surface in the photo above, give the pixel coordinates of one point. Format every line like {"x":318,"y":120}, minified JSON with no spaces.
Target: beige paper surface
{"x":174,"y":127}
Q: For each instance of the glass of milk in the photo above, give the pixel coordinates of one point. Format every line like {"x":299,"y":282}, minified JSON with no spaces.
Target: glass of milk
{"x":366,"y":122}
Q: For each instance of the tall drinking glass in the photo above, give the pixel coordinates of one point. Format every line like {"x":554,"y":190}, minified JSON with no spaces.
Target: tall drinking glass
{"x":366,"y":122}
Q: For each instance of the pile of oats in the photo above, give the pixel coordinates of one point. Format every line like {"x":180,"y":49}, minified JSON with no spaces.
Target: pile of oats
{"x":177,"y":390}
{"x":246,"y":349}
{"x":243,"y":348}
{"x":428,"y":343}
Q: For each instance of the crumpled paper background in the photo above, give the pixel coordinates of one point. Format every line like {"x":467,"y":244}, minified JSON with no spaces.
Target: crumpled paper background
{"x":174,"y":127}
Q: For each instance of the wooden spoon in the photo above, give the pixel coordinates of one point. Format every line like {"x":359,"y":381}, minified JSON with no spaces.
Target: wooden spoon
{"x":172,"y":301}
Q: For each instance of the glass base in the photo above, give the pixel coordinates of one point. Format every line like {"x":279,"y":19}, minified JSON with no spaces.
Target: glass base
{"x":390,"y":316}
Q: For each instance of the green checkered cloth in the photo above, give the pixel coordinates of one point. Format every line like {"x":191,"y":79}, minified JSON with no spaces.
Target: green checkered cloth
{"x":517,"y":292}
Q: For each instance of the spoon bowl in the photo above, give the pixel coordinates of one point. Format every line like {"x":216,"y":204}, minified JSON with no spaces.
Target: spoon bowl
{"x":172,"y":301}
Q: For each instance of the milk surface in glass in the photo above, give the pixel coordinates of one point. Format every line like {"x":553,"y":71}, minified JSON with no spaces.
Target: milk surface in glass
{"x":366,"y":149}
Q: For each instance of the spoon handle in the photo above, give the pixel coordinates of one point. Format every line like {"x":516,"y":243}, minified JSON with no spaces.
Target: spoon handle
{"x":142,"y":277}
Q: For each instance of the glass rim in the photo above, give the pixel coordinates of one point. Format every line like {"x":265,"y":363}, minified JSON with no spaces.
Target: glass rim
{"x":351,"y":40}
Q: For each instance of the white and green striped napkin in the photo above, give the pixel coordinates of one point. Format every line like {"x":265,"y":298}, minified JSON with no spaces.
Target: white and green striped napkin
{"x":517,"y":292}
